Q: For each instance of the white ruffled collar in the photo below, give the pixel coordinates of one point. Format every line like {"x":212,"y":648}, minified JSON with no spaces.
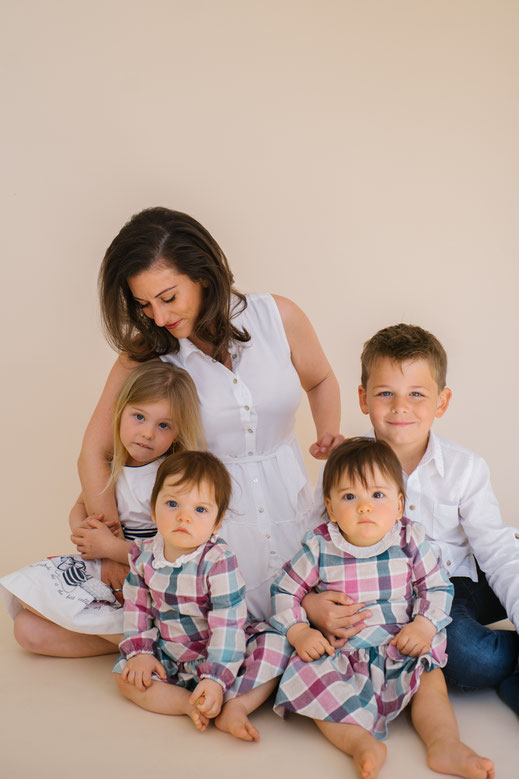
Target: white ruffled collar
{"x":383,"y":545}
{"x":159,"y":561}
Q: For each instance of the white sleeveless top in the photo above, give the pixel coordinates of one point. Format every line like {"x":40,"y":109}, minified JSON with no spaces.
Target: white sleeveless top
{"x":248,"y":416}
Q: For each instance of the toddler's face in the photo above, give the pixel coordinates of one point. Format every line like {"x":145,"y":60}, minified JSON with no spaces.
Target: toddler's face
{"x":185,"y":516}
{"x":403,"y":400}
{"x":147,"y":431}
{"x":365,"y":514}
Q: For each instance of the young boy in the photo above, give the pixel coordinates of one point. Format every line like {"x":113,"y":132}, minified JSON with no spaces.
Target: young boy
{"x":448,"y":492}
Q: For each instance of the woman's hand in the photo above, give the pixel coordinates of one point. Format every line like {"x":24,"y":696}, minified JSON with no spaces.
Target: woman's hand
{"x":336,"y":615}
{"x":113,"y":575}
{"x":139,"y":668}
{"x":325,"y":445}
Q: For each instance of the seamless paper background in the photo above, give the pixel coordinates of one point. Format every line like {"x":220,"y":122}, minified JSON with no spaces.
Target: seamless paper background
{"x":360,"y":158}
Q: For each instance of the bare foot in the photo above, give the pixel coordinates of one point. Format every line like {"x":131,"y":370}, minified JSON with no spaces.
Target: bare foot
{"x":233,"y":719}
{"x":369,"y":757}
{"x":454,"y":757}
{"x":200,"y":720}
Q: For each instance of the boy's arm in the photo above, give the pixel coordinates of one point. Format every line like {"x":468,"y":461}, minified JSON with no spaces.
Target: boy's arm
{"x":226,"y":621}
{"x":139,"y":629}
{"x":494,"y":544}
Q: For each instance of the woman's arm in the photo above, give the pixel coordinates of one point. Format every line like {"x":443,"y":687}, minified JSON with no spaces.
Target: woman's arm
{"x":315,"y":374}
{"x":96,"y":451}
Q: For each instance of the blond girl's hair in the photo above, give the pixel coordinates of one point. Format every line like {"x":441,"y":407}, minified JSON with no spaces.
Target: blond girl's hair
{"x":150,"y":382}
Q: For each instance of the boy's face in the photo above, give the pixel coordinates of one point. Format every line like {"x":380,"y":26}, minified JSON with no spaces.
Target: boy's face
{"x":403,"y":400}
{"x":365,"y":514}
{"x":185,"y":516}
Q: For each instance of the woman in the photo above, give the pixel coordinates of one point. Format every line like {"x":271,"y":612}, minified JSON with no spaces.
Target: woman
{"x":166,"y":291}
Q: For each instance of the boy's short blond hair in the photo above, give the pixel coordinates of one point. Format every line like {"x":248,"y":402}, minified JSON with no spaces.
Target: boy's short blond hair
{"x":405,"y":342}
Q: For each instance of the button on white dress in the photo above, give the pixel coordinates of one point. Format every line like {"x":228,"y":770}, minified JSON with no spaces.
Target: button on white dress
{"x":249,"y":417}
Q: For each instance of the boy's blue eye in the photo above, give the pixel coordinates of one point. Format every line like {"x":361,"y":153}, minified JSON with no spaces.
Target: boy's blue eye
{"x":172,"y":504}
{"x":385,"y":394}
{"x":163,"y":425}
{"x":139,"y":417}
{"x":416,"y":394}
{"x":378,"y":494}
{"x":201,"y":509}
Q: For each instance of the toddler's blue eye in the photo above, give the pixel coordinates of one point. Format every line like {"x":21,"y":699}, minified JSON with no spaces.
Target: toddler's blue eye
{"x":201,"y":509}
{"x":349,"y":496}
{"x":172,"y":504}
{"x":163,"y":425}
{"x":378,"y":494}
{"x":139,"y":417}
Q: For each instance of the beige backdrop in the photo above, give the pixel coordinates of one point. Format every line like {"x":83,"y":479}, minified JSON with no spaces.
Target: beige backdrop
{"x":358,"y":157}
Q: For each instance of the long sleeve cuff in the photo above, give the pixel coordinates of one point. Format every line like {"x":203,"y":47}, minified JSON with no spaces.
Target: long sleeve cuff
{"x":136,"y":645}
{"x":216,"y":672}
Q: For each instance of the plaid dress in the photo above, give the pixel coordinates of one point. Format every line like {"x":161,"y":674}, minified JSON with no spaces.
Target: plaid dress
{"x":191,"y":614}
{"x":368,"y":682}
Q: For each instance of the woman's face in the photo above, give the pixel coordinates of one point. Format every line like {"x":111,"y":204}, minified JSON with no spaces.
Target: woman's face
{"x":168,"y":297}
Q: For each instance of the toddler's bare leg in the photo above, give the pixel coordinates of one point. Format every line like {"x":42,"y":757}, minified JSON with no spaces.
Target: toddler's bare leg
{"x":435,"y":723}
{"x":39,"y":635}
{"x":368,"y":754}
{"x":233,"y":717}
{"x":162,"y":698}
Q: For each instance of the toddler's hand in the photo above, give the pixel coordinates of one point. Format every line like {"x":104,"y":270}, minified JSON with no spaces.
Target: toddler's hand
{"x":207,"y":697}
{"x":139,"y":668}
{"x":415,"y":638}
{"x":322,"y":448}
{"x":309,"y":643}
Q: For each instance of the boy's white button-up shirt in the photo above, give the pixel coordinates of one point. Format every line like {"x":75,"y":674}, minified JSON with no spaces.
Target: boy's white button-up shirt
{"x":450,"y":494}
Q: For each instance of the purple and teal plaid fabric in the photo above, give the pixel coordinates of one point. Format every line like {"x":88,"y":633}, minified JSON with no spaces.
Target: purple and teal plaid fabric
{"x":190,"y":614}
{"x":368,"y":682}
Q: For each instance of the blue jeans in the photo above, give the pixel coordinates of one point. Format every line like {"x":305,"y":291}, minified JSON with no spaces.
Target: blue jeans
{"x":478,"y":656}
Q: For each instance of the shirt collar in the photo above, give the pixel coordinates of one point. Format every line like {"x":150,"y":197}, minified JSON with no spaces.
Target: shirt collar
{"x":433,"y":453}
{"x":159,"y":561}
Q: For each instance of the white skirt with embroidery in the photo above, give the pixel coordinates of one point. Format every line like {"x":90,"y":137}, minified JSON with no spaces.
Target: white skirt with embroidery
{"x":67,"y":591}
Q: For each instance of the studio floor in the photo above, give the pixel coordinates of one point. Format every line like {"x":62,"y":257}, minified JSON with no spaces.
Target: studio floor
{"x":65,"y":717}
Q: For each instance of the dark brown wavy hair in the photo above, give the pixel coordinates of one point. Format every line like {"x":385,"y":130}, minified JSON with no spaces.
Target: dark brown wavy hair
{"x":161,"y":236}
{"x":357,"y":458}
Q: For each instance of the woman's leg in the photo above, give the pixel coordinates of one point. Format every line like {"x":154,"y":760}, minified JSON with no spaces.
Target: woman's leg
{"x":368,"y":754}
{"x":162,"y":698}
{"x":37,"y":634}
{"x":435,"y":723}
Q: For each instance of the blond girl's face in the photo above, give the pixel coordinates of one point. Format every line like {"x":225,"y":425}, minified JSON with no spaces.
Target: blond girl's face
{"x":365,"y":513}
{"x":185,"y":515}
{"x":147,"y":430}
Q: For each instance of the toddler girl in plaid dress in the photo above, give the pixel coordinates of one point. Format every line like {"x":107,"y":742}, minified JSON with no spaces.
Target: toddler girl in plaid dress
{"x":370,"y":552}
{"x":185,"y":649}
